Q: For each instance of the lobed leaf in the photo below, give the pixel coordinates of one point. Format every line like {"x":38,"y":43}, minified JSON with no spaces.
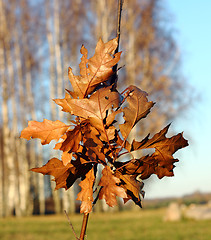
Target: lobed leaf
{"x":95,"y":108}
{"x":95,"y":70}
{"x":110,"y":189}
{"x":64,"y":175}
{"x":64,"y":103}
{"x":138,"y":108}
{"x":71,"y":140}
{"x":161,"y":162}
{"x":86,"y":193}
{"x":132,"y":186}
{"x":47,"y":130}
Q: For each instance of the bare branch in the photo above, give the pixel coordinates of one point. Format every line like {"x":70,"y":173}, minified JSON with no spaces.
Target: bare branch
{"x":71,"y":225}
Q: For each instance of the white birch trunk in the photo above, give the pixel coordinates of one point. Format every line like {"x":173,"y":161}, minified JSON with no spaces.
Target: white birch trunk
{"x":130,"y":59}
{"x":1,"y":165}
{"x":2,"y":204}
{"x":59,"y":73}
{"x":37,"y":179}
{"x":8,"y":138}
{"x":13,"y":136}
{"x":53,"y":91}
{"x":50,"y":40}
{"x":102,"y":10}
{"x":23,"y":166}
{"x":58,"y":55}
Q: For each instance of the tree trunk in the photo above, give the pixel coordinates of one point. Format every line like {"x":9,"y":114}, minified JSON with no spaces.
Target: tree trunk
{"x":53,"y":87}
{"x":1,"y":130}
{"x":58,"y":55}
{"x":23,"y":165}
{"x":38,"y":190}
{"x":1,"y":165}
{"x":8,"y":138}
{"x":130,"y":58}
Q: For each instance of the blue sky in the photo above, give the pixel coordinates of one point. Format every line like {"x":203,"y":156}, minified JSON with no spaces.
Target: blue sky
{"x":192,"y":19}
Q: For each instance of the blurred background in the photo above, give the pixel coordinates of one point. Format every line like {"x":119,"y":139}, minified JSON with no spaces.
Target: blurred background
{"x":165,"y":48}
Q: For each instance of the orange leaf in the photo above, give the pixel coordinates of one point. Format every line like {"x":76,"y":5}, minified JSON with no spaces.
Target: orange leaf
{"x":56,"y":168}
{"x":96,"y":106}
{"x":64,"y":103}
{"x":95,"y":70}
{"x":71,"y":140}
{"x":66,"y":158}
{"x":47,"y":130}
{"x":110,"y":189}
{"x":86,"y":193}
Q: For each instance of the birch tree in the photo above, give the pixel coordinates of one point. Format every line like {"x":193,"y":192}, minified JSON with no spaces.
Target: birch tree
{"x":8,"y":140}
{"x":23,"y":164}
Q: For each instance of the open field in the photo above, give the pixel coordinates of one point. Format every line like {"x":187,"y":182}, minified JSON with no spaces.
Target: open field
{"x":143,"y":224}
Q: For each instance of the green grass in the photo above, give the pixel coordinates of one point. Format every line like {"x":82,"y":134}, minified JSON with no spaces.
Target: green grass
{"x":142,"y":224}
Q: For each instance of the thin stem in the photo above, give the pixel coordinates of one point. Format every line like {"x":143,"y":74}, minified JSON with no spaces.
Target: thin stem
{"x":120,"y":4}
{"x":126,"y":153}
{"x":71,"y":225}
{"x":97,"y":197}
{"x":84,"y":225}
{"x":132,"y":160}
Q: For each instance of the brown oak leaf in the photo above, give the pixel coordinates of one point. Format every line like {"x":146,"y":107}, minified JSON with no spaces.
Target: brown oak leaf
{"x":64,"y":175}
{"x":64,"y":103}
{"x":96,"y":106}
{"x":138,"y":108}
{"x":47,"y":130}
{"x":164,"y":149}
{"x":71,"y":140}
{"x":56,"y":168}
{"x":86,"y":193}
{"x":110,"y":189}
{"x":95,"y":70}
{"x":132,"y":186}
{"x":144,"y":167}
{"x":159,"y":140}
{"x":161,"y":162}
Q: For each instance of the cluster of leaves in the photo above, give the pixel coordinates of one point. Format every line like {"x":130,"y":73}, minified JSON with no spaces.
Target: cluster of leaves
{"x":95,"y":138}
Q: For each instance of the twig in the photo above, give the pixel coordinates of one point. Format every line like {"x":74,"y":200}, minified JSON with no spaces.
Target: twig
{"x":71,"y":224}
{"x":84,"y":225}
{"x":94,"y":202}
{"x":120,"y":4}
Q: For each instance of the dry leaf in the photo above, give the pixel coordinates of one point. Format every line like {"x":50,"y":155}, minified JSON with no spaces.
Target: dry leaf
{"x":110,"y":189}
{"x":95,"y":70}
{"x":47,"y":130}
{"x":86,"y":193}
{"x":71,"y":141}
{"x":66,"y":158}
{"x":64,"y":175}
{"x":138,"y":108}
